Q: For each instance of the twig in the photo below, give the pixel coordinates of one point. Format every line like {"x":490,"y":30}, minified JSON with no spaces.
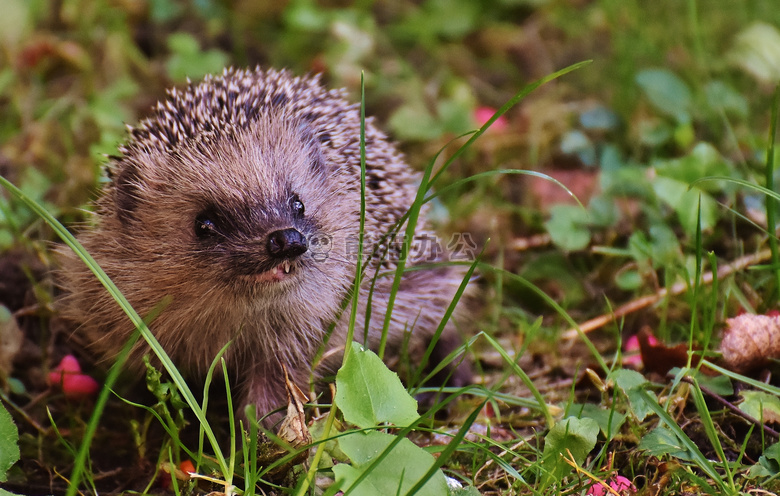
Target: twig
{"x":23,"y":413}
{"x":535,"y":241}
{"x":573,"y":463}
{"x":723,"y":401}
{"x":676,"y":289}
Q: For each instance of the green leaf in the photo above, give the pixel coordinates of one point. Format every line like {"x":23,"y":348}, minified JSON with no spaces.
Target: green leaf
{"x":9,"y":443}
{"x":603,"y":212}
{"x":413,"y":121}
{"x":631,"y":382}
{"x":568,"y":227}
{"x":768,"y":464}
{"x":662,"y":249}
{"x":571,"y":435}
{"x":719,"y":384}
{"x":189,"y":61}
{"x":628,"y":280}
{"x":668,"y":93}
{"x":163,"y":391}
{"x":164,"y":10}
{"x":722,"y":97}
{"x":662,"y":441}
{"x":306,"y":15}
{"x":703,"y":160}
{"x":455,"y":116}
{"x":369,"y":394}
{"x":761,"y":406}
{"x":397,"y":473}
{"x":685,"y":203}
{"x":465,"y":491}
{"x":608,"y":420}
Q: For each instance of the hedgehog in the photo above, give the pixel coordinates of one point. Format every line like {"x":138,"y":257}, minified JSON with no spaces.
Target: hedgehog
{"x":233,"y":213}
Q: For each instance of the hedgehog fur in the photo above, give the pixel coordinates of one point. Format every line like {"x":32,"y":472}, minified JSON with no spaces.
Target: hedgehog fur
{"x":234,"y":209}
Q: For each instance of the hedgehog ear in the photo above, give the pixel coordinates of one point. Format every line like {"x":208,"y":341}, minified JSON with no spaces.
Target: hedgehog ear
{"x":313,"y":142}
{"x":126,"y":193}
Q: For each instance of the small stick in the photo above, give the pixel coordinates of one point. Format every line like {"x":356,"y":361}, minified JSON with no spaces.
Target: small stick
{"x":535,"y":241}
{"x":38,"y":427}
{"x":676,"y":289}
{"x":723,"y":401}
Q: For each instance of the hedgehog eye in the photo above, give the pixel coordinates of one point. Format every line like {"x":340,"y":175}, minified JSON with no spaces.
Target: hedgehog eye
{"x":297,"y":206}
{"x":205,"y":226}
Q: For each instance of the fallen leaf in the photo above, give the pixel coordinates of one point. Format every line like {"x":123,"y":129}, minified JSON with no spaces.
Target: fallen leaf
{"x":659,"y":358}
{"x":11,"y":338}
{"x":750,"y":341}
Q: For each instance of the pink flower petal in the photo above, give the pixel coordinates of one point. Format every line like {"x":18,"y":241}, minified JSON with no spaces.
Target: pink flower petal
{"x":69,"y":365}
{"x":596,"y":490}
{"x":67,"y":375}
{"x":483,"y":114}
{"x":631,"y":344}
{"x":619,"y":483}
{"x":55,"y":378}
{"x":78,"y":386}
{"x":634,"y":360}
{"x":622,"y":484}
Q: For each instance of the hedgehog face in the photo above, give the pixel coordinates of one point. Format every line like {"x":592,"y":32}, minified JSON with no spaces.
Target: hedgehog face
{"x":248,"y":209}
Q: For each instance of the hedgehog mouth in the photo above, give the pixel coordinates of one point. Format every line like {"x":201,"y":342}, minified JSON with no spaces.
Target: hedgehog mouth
{"x":278,"y":273}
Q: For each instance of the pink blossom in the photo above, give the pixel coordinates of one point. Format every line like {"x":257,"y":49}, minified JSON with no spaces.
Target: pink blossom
{"x":619,"y":483}
{"x":483,"y":114}
{"x":632,"y":356}
{"x":74,"y":384}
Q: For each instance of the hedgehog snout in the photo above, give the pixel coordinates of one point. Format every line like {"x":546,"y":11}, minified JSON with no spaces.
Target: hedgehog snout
{"x":286,"y":244}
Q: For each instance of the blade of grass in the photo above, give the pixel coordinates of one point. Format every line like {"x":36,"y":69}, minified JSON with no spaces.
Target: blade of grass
{"x":742,"y":182}
{"x":709,"y":428}
{"x":526,"y":380}
{"x":312,"y":472}
{"x":137,"y":321}
{"x":163,"y":423}
{"x":446,"y":317}
{"x":504,"y":108}
{"x":359,"y":265}
{"x":696,"y":454}
{"x":232,"y":458}
{"x":555,"y":306}
{"x":771,"y":205}
{"x":100,"y":404}
{"x":696,"y":285}
{"x":445,"y":455}
{"x":481,"y":175}
{"x":205,"y":404}
{"x":427,"y":181}
{"x":768,"y":388}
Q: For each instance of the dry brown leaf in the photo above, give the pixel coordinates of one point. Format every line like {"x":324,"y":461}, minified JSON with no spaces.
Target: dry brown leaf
{"x":659,"y":358}
{"x":11,"y":338}
{"x":750,"y":341}
{"x":293,"y":429}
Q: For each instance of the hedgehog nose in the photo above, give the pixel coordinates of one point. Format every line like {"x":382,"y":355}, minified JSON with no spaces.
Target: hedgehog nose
{"x":287,"y":243}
